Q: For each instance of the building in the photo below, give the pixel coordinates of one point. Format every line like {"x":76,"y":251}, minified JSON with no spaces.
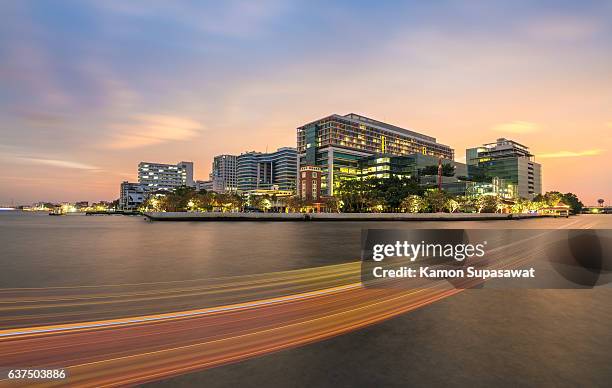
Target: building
{"x":310,"y":183}
{"x":158,"y":176}
{"x":204,"y":185}
{"x":409,"y":167}
{"x":131,"y":196}
{"x":507,"y":160}
{"x":224,"y":174}
{"x":336,"y":143}
{"x":263,"y":171}
{"x":497,"y":187}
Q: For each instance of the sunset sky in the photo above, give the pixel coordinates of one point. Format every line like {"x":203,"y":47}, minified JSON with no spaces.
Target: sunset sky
{"x":89,"y":89}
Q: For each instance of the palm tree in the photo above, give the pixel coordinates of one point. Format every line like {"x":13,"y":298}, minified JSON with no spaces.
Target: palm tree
{"x":600,"y":201}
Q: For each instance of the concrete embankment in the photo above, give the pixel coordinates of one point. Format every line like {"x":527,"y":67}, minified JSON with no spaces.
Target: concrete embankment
{"x":214,"y":216}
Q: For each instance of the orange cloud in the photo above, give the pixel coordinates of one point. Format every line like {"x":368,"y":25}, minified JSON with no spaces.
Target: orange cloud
{"x":516,"y":127}
{"x":147,"y":130}
{"x":571,"y":154}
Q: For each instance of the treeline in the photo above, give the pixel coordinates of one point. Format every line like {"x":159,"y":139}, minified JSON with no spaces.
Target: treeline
{"x":188,"y":199}
{"x":377,"y":195}
{"x":405,"y":195}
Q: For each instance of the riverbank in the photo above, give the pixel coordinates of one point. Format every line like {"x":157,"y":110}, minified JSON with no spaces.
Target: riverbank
{"x":217,"y":216}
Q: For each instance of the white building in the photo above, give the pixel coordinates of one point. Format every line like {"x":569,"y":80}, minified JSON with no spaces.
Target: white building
{"x":223,"y":175}
{"x":158,"y":176}
{"x":204,"y":185}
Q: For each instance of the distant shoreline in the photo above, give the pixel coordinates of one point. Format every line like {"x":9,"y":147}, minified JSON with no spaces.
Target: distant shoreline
{"x":322,"y":217}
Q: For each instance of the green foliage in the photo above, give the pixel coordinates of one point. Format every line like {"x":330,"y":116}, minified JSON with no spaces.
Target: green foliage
{"x":554,"y":198}
{"x":187,"y":199}
{"x":375,"y":194}
{"x":487,"y":204}
{"x":573,"y":202}
{"x":332,"y":204}
{"x":412,"y":204}
{"x":466,"y":204}
{"x":294,"y":204}
{"x":435,"y":200}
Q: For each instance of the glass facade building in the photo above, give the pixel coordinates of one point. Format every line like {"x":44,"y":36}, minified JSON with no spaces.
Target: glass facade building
{"x":337,"y":143}
{"x":507,"y":160}
{"x":409,"y":166}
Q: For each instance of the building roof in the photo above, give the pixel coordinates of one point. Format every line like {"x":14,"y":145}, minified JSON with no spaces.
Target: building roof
{"x":380,"y":125}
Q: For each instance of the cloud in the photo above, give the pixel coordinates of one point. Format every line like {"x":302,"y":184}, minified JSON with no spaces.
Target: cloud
{"x":571,"y":154}
{"x":58,"y":163}
{"x":516,"y":127}
{"x":563,"y":28}
{"x":146,"y":130}
{"x":232,"y":18}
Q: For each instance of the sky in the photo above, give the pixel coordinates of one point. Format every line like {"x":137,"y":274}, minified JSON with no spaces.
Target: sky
{"x":90,"y":88}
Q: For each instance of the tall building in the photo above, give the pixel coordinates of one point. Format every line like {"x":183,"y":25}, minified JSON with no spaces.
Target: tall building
{"x":263,"y":171}
{"x":336,"y":143}
{"x":224,"y":174}
{"x":131,"y":196}
{"x":508,"y":160}
{"x":158,"y":176}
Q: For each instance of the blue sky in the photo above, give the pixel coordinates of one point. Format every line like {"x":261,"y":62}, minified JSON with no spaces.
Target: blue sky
{"x":88,"y":89}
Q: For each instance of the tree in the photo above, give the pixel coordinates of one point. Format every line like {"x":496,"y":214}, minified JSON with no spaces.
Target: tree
{"x":412,"y":204}
{"x":256,"y":201}
{"x":380,"y":194}
{"x":435,"y":199}
{"x":352,"y":195}
{"x":236,"y":202}
{"x":600,"y":202}
{"x":551,"y":198}
{"x":332,"y":204}
{"x":293,"y":204}
{"x":154,"y":203}
{"x":466,"y":204}
{"x":204,"y":201}
{"x":487,"y":204}
{"x":520,"y":206}
{"x":573,"y":202}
